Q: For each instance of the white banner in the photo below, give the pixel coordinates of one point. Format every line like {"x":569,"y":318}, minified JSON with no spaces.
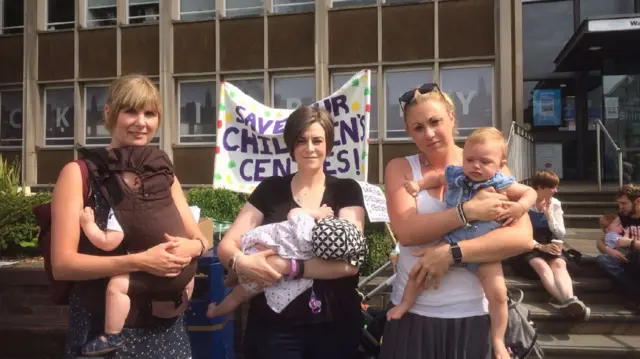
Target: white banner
{"x":375,"y":202}
{"x":250,"y":136}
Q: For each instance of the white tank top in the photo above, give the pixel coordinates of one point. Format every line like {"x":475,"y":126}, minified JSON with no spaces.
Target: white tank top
{"x":460,"y":294}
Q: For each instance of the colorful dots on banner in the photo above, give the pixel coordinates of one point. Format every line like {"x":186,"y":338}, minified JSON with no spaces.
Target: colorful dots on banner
{"x":278,"y":114}
{"x":231,"y":164}
{"x":219,"y":124}
{"x":229,"y":179}
{"x":367,"y":108}
{"x":362,"y":167}
{"x":355,"y":83}
{"x":364,"y":155}
{"x":222,"y":92}
{"x":355,"y":106}
{"x":222,"y":107}
{"x":228,"y":117}
{"x":217,"y":150}
{"x":232,"y":94}
{"x":242,"y":186}
{"x":252,"y":108}
{"x":217,"y":176}
{"x":367,"y":91}
{"x":253,"y":188}
{"x":368,"y":141}
{"x":267,"y":114}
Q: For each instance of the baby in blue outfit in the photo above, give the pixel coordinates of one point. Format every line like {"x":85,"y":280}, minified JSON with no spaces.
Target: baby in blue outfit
{"x":484,"y":157}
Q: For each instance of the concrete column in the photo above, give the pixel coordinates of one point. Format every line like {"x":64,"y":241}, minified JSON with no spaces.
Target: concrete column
{"x":518,"y":72}
{"x":122,"y":19}
{"x":322,"y":48}
{"x":167,"y":83}
{"x":31,"y":92}
{"x":78,"y":96}
{"x":504,"y":113}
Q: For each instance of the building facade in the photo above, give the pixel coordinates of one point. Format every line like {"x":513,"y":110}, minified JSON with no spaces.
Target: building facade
{"x":58,"y":59}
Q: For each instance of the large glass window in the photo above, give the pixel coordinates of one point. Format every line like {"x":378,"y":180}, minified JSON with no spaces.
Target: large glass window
{"x":252,"y":87}
{"x":197,"y":9}
{"x":346,"y":3}
{"x":591,"y":8}
{"x":293,"y":92}
{"x":284,"y":6}
{"x":95,"y":97}
{"x":243,"y":7}
{"x":61,"y":14}
{"x":12,"y":16}
{"x":102,"y":13}
{"x":141,"y":11}
{"x":59,"y":116}
{"x":546,"y":27}
{"x":471,"y":89}
{"x":340,"y":79}
{"x":397,"y":83}
{"x":197,"y":112}
{"x":11,"y":118}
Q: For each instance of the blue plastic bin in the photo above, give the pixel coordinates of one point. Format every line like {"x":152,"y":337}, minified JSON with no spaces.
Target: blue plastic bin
{"x":210,"y":338}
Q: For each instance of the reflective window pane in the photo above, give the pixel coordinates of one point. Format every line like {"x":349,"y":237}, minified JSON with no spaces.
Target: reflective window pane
{"x":471,"y":90}
{"x":102,"y":13}
{"x":59,"y":116}
{"x":546,"y":28}
{"x":340,"y":79}
{"x":346,"y":3}
{"x":397,"y":83}
{"x":291,"y":6}
{"x":244,"y":7}
{"x":12,"y":16}
{"x":197,"y":112}
{"x":11,"y":118}
{"x":95,"y":97}
{"x":293,"y":92}
{"x":197,"y":9}
{"x":591,"y":8}
{"x":61,"y":14}
{"x":141,"y":11}
{"x":252,"y":87}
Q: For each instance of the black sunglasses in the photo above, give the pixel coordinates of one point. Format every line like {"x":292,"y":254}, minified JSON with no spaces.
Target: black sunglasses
{"x":408,"y":96}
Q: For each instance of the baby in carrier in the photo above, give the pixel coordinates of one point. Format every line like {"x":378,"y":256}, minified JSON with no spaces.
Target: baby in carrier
{"x":136,"y":181}
{"x":305,"y":234}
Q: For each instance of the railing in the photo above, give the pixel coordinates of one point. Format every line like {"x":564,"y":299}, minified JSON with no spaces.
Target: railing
{"x":599,"y":128}
{"x":521,"y":153}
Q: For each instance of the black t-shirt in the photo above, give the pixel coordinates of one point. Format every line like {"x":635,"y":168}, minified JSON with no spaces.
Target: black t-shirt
{"x":632,"y":225}
{"x":339,"y":298}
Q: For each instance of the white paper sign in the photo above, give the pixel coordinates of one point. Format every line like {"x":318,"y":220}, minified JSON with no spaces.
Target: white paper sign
{"x":375,"y":202}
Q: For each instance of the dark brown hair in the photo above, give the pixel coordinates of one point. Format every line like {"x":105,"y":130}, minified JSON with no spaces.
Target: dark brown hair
{"x":629,"y":191}
{"x":545,"y":179}
{"x":606,"y":220}
{"x":300,"y":120}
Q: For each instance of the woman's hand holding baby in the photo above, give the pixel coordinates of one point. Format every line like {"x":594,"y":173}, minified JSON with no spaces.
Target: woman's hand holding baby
{"x":513,"y":212}
{"x":486,"y":205}
{"x":160,"y":262}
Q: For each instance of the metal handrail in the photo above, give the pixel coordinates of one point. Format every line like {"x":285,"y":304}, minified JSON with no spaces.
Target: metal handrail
{"x":600,"y":127}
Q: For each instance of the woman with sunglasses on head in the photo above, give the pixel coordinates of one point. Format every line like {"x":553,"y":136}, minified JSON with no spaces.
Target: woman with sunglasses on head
{"x":450,"y":319}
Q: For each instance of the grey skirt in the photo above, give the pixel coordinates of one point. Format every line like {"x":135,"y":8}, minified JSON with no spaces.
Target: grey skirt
{"x":418,"y":337}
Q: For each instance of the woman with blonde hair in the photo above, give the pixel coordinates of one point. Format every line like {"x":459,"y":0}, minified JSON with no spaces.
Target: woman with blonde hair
{"x":156,"y":329}
{"x":449,"y":320}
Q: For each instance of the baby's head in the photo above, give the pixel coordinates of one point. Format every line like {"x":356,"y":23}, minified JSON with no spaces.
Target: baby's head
{"x":131,"y":179}
{"x":484,"y":154}
{"x":611,"y":223}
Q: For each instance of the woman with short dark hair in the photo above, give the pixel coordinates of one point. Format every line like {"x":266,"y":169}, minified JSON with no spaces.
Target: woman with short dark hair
{"x":298,"y":332}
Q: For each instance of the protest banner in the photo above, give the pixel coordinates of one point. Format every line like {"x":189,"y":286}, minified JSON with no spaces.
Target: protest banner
{"x":375,"y":202}
{"x":250,"y":136}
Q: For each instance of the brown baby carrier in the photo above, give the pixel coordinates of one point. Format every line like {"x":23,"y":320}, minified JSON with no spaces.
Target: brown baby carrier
{"x":144,"y":214}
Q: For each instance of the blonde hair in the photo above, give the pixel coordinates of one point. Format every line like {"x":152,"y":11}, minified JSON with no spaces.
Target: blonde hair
{"x":606,"y":220}
{"x":434,"y":94}
{"x":488,"y":134}
{"x":131,"y":92}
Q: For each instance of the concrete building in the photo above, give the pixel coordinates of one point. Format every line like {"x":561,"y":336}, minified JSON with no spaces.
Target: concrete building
{"x":57,"y":59}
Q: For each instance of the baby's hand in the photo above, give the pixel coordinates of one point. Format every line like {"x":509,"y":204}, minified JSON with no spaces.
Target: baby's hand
{"x":513,"y":212}
{"x":86,"y":216}
{"x":325,"y":211}
{"x":412,"y":187}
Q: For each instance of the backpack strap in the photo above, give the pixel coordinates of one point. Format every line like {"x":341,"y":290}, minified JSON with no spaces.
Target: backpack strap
{"x":84,"y":172}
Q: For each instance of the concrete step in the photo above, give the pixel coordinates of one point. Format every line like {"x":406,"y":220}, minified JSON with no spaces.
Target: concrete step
{"x":32,"y":339}
{"x":605,"y":318}
{"x":589,"y":207}
{"x":590,"y":346}
{"x":587,"y":196}
{"x":591,"y":290}
{"x":582,"y":220}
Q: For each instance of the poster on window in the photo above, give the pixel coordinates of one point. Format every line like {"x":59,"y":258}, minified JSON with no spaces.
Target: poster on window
{"x":547,"y":108}
{"x":549,"y":157}
{"x":250,"y":136}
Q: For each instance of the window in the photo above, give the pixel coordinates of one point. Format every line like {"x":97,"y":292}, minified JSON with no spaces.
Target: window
{"x":197,"y":9}
{"x":293,"y":92}
{"x":141,"y":11}
{"x":252,"y":87}
{"x":346,"y":3}
{"x":591,"y":8}
{"x":243,"y":7}
{"x":11,"y":118}
{"x":471,"y":89}
{"x":289,"y":6}
{"x":61,"y":14}
{"x":95,"y":97}
{"x":197,"y":112}
{"x":11,"y":16}
{"x":546,"y":27}
{"x":340,"y":79}
{"x":102,"y":13}
{"x":58,"y":116}
{"x":397,"y":83}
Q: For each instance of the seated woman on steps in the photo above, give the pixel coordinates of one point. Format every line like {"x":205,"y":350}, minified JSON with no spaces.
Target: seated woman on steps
{"x":547,"y":261}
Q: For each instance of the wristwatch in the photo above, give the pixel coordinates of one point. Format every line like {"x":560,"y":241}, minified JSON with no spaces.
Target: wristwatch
{"x":456,"y":253}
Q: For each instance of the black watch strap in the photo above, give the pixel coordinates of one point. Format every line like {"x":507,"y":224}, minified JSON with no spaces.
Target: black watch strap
{"x":456,"y":253}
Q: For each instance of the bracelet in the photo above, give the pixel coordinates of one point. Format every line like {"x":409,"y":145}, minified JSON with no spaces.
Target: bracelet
{"x":300,"y":271}
{"x":461,"y":217}
{"x":234,"y":260}
{"x":294,"y":268}
{"x":202,"y":245}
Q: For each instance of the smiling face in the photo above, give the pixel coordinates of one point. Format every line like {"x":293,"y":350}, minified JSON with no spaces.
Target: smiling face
{"x":430,"y":124}
{"x":134,"y":128}
{"x":311,"y":148}
{"x":482,"y":160}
